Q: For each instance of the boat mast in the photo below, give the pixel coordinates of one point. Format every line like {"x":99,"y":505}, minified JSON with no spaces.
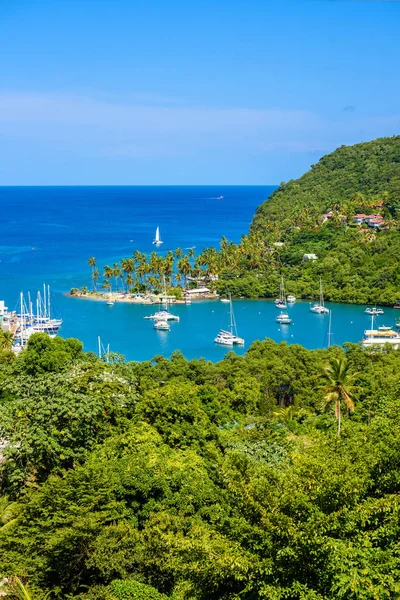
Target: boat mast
{"x":231,"y":313}
{"x":21,"y":298}
{"x":30,"y":307}
{"x":330,"y":328}
{"x":48,"y":300}
{"x":44,"y":301}
{"x":99,"y":345}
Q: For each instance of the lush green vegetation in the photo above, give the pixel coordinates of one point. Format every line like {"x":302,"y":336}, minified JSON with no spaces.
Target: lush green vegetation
{"x":356,"y":263}
{"x":200,"y":481}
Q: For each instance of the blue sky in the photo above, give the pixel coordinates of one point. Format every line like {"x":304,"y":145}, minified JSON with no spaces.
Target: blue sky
{"x":191,"y":91}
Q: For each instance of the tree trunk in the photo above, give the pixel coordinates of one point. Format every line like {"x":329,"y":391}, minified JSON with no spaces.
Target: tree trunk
{"x":338,"y":428}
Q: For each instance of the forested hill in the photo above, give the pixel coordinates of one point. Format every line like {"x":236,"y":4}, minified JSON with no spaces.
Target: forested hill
{"x":371,"y":169}
{"x":339,"y":222}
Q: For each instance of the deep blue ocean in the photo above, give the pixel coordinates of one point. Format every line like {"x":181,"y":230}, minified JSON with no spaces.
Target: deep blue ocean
{"x":48,"y":234}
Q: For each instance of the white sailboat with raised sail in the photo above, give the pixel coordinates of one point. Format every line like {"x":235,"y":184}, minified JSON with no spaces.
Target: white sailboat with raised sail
{"x":320,"y":307}
{"x":281,"y":301}
{"x":157,"y":240}
{"x":229,"y":338}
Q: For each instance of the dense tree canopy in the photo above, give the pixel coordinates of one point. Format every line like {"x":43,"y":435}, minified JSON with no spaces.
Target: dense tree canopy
{"x":197,"y":481}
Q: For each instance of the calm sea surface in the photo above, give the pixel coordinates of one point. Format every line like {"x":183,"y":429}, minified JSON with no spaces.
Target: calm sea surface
{"x":47,"y":235}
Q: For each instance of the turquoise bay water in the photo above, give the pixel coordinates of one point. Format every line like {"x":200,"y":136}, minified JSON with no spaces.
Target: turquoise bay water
{"x":49,"y":233}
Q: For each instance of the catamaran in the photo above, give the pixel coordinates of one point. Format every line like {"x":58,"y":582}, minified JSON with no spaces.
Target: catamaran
{"x":281,"y":301}
{"x":163,"y":315}
{"x":320,"y":307}
{"x":283,"y":318}
{"x":157,"y":240}
{"x":229,"y":338}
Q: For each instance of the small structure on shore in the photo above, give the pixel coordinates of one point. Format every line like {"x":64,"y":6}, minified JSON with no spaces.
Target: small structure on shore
{"x":201,"y":292}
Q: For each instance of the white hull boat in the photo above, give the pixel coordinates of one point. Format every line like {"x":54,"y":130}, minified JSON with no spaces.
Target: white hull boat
{"x":229,"y":338}
{"x":283,"y":319}
{"x":320,"y":308}
{"x":374,"y":311}
{"x":162,"y":325}
{"x":163,"y":315}
{"x":157,"y":240}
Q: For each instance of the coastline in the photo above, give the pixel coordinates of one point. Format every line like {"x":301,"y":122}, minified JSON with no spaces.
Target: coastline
{"x":149,"y":299}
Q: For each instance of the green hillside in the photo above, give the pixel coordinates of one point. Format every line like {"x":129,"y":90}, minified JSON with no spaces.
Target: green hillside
{"x":358,"y":263}
{"x":350,"y":177}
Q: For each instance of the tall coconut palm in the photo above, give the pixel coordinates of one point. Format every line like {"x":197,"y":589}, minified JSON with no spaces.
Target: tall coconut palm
{"x":128,"y":267}
{"x":95,"y":276}
{"x":339,"y":388}
{"x":169,"y":266}
{"x":107,"y":285}
{"x":129,"y":280}
{"x":107,"y":272}
{"x":92,"y":264}
{"x":184,"y":268}
{"x":117,"y":273}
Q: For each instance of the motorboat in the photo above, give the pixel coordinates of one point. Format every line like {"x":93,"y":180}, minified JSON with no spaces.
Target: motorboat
{"x":319,"y":307}
{"x":291,"y":299}
{"x":374,"y":311}
{"x":283,"y":319}
{"x":225,"y":300}
{"x":161,"y":325}
{"x":381,"y":336}
{"x":229,"y":338}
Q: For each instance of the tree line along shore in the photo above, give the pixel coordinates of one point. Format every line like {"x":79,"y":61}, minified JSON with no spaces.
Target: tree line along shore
{"x":344,"y":212}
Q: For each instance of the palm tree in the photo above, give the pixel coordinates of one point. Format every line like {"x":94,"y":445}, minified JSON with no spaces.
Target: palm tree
{"x":128,"y":266}
{"x":6,"y":340}
{"x":169,"y":266}
{"x":95,"y":276}
{"x":107,"y":272}
{"x":338,"y":385}
{"x":129,"y":281}
{"x":117,"y":273}
{"x":16,"y":589}
{"x":184,"y":268}
{"x":92,"y":264}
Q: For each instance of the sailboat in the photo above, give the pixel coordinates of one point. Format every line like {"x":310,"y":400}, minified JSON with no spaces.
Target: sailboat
{"x":229,"y":338}
{"x":157,"y":240}
{"x":281,"y":301}
{"x":320,"y":307}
